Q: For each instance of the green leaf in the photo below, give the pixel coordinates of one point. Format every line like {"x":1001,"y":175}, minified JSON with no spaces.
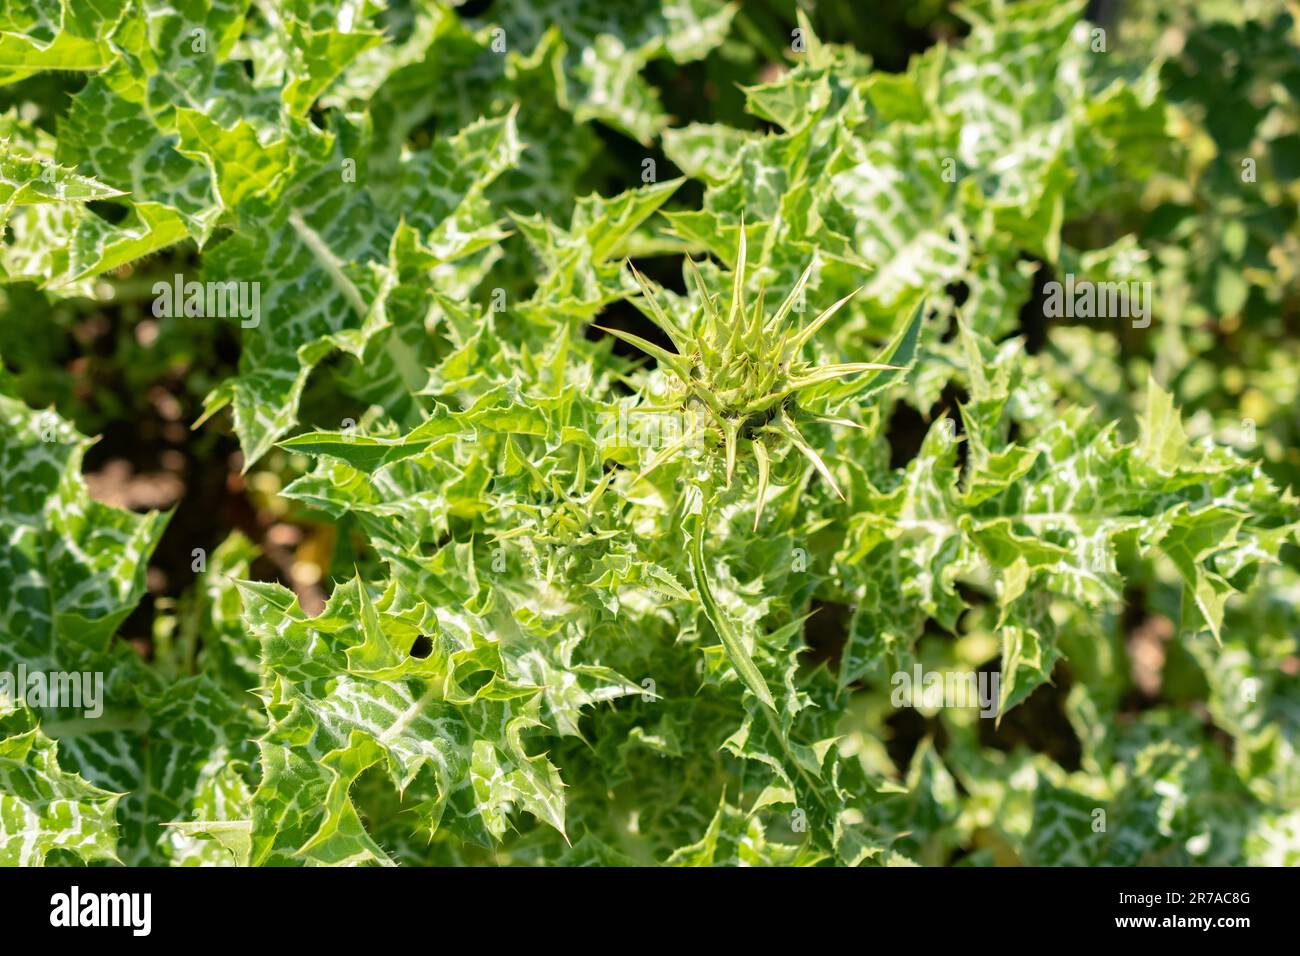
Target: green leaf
{"x":44,"y":808}
{"x":740,"y":656}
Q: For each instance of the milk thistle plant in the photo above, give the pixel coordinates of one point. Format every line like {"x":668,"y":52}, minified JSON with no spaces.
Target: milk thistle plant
{"x":643,"y":435}
{"x":746,"y":370}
